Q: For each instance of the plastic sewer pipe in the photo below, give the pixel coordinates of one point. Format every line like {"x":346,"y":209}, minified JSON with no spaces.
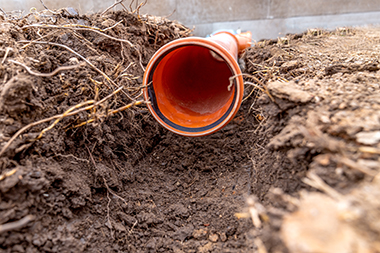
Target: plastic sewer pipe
{"x":188,"y":83}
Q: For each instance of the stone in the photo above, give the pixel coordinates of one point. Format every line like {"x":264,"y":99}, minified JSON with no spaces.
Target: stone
{"x":200,"y":234}
{"x":289,"y":91}
{"x":213,"y":237}
{"x":223,"y":237}
{"x":368,"y":138}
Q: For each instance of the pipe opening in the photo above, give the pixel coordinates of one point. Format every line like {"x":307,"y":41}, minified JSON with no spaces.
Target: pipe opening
{"x":191,"y":86}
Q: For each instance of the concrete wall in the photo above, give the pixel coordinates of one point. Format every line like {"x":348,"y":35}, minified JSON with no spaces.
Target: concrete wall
{"x":265,"y":18}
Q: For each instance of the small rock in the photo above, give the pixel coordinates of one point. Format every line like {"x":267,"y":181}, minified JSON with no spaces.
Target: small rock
{"x":206,"y":248}
{"x":231,"y":230}
{"x":108,"y":23}
{"x":368,"y":138}
{"x":354,"y":105}
{"x":66,"y":212}
{"x":119,"y":227}
{"x":74,"y":60}
{"x":289,"y":91}
{"x":18,"y":248}
{"x":223,"y":237}
{"x":179,"y":210}
{"x":182,"y":233}
{"x":213,"y":237}
{"x":14,"y":94}
{"x":289,"y":65}
{"x":151,"y":244}
{"x":342,"y":106}
{"x":12,"y":180}
{"x":39,"y":240}
{"x":78,"y":202}
{"x":325,"y":119}
{"x":128,"y":219}
{"x":323,"y":160}
{"x":70,"y":11}
{"x":5,"y":27}
{"x":199,"y":234}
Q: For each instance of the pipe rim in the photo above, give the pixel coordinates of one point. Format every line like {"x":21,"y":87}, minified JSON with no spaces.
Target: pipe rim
{"x":222,"y":52}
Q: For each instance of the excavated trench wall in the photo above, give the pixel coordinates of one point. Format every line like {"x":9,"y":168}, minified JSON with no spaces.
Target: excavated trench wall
{"x":265,"y":18}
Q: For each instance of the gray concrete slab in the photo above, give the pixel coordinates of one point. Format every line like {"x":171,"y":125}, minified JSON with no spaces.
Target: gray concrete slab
{"x":200,"y":12}
{"x":266,"y":18}
{"x":297,"y":8}
{"x":279,"y":27}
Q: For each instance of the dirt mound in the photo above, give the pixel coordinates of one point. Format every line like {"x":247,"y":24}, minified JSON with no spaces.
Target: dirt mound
{"x":331,"y":107}
{"x":84,"y":167}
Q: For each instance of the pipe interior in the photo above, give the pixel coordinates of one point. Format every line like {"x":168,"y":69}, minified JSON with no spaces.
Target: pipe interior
{"x":191,"y":86}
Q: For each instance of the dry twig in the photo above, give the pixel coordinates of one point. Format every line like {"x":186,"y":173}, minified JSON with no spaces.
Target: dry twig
{"x":6,"y":54}
{"x":260,"y":246}
{"x":315,"y":181}
{"x":321,"y":140}
{"x":5,"y":14}
{"x":369,"y":150}
{"x":355,"y":166}
{"x":43,"y":4}
{"x":109,"y":8}
{"x":255,"y":210}
{"x":137,"y":10}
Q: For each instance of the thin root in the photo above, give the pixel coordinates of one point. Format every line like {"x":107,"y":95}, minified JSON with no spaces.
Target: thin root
{"x":77,"y":54}
{"x":58,"y":117}
{"x":81,"y":28}
{"x":126,"y":107}
{"x":7,"y":174}
{"x":56,"y":71}
{"x":264,"y":89}
{"x":76,"y":158}
{"x":16,"y":224}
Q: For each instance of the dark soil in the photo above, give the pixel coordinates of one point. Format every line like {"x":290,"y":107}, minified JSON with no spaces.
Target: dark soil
{"x":99,"y":181}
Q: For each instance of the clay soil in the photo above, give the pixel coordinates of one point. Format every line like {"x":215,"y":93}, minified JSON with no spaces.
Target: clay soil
{"x":295,"y":171}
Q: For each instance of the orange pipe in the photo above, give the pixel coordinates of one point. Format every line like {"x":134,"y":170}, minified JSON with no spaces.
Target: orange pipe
{"x":188,"y":83}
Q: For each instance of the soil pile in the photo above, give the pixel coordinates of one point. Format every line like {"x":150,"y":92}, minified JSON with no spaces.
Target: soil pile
{"x":331,"y":106}
{"x":84,"y":167}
